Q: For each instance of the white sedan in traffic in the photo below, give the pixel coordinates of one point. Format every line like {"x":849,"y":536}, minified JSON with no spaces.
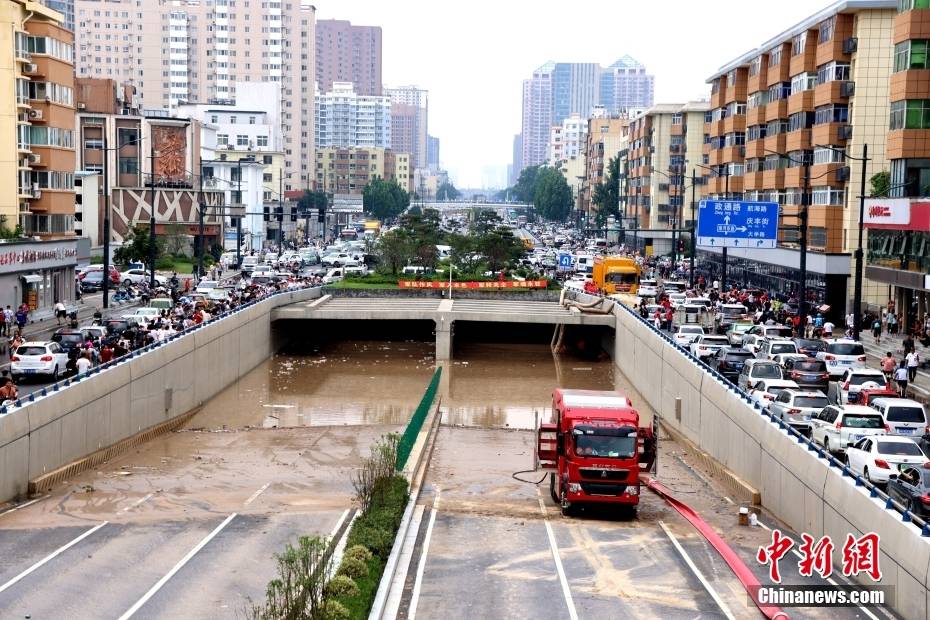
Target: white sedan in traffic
{"x":38,"y":358}
{"x":138,"y":276}
{"x":876,"y":458}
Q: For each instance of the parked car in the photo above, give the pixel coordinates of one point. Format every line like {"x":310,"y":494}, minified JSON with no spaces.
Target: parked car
{"x":771,"y":332}
{"x":138,"y":276}
{"x":729,"y":361}
{"x":114,"y":273}
{"x":687,"y":334}
{"x":810,"y":346}
{"x":796,"y":406}
{"x":767,"y":390}
{"x":911,"y":487}
{"x":94,"y":332}
{"x":841,"y":354}
{"x":118,"y":326}
{"x":852,"y":382}
{"x":92,"y":282}
{"x":735,"y":332}
{"x":808,"y":373}
{"x":877,"y":458}
{"x":755,"y":370}
{"x":902,"y":415}
{"x":647,"y":288}
{"x":38,"y":358}
{"x":69,"y":339}
{"x":783,"y":359}
{"x":768,"y":348}
{"x":706,"y":345}
{"x":333,"y":275}
{"x":205,"y":286}
{"x":835,"y":427}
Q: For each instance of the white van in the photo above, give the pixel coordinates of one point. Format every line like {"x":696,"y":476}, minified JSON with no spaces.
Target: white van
{"x":584,"y":263}
{"x":903,"y":416}
{"x":334,"y":275}
{"x":249,"y":263}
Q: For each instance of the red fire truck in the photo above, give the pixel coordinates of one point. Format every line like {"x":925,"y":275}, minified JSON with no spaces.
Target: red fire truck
{"x":597,"y":448}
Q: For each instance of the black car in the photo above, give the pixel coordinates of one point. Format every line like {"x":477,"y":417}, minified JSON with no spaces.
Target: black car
{"x":69,"y":339}
{"x":92,"y":282}
{"x":118,"y":326}
{"x":911,"y":487}
{"x":809,"y":373}
{"x":810,"y":346}
{"x":729,"y":361}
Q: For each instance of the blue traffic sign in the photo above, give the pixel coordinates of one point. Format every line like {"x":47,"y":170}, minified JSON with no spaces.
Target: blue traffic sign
{"x":566,"y":262}
{"x":736,"y":224}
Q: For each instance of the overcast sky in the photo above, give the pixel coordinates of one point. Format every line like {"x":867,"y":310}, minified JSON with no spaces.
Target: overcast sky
{"x":472,"y":56}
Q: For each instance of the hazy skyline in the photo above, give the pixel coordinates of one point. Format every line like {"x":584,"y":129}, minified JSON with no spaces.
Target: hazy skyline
{"x":472,"y":57}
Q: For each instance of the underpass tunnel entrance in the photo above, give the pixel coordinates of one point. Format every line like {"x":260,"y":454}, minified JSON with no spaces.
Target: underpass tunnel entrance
{"x":313,"y":336}
{"x":585,"y":341}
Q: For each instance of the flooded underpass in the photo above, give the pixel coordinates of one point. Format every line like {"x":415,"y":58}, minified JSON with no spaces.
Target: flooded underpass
{"x":187,"y":524}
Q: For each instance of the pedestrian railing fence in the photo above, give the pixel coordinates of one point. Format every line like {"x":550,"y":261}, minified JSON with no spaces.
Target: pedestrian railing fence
{"x":416,"y":422}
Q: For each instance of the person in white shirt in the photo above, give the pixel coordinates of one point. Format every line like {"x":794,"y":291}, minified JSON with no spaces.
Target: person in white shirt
{"x":83,"y":364}
{"x":60,"y":311}
{"x":900,"y":376}
{"x":828,"y":328}
{"x":913,"y":361}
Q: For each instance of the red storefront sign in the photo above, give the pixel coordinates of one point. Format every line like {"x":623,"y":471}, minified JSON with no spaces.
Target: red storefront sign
{"x":896,"y":214}
{"x":479,"y":285}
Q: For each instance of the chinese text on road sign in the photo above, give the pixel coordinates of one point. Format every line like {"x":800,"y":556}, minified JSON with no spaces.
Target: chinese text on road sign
{"x":736,"y":224}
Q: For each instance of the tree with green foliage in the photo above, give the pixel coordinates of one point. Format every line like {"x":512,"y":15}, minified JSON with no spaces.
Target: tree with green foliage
{"x":423,"y":231}
{"x":607,"y":194}
{"x":553,"y":197}
{"x":6,"y":232}
{"x":881,"y":183}
{"x":499,"y":247}
{"x":447,"y":191}
{"x":384,"y":200}
{"x":484,"y":221}
{"x":525,"y":189}
{"x":136,"y":248}
{"x":395,"y":250}
{"x":464,"y":254}
{"x":312,"y":201}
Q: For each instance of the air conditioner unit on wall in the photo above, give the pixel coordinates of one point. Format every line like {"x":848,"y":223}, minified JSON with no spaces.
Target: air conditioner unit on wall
{"x":30,"y":68}
{"x":846,"y":132}
{"x":850,"y":45}
{"x":35,"y":114}
{"x":848,"y":89}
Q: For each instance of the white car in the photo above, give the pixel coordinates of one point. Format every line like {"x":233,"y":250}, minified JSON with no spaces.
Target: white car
{"x":854,"y":380}
{"x":841,"y":354}
{"x":768,"y":348}
{"x":903,"y":416}
{"x":752,"y":342}
{"x":876,"y":458}
{"x":647,"y":288}
{"x":333,"y":275}
{"x":797,"y":407}
{"x":784,"y":358}
{"x":339,"y":259}
{"x":768,"y":389}
{"x":687,"y":334}
{"x":677,"y":299}
{"x":138,"y":276}
{"x":142,"y":315}
{"x":836,"y":428}
{"x":38,"y":358}
{"x":205,"y":286}
{"x":705,"y":346}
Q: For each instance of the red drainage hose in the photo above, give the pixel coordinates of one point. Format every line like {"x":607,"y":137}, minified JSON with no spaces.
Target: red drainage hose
{"x":736,"y":564}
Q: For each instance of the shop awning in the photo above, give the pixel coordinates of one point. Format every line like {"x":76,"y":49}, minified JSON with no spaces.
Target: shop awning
{"x":31,"y":278}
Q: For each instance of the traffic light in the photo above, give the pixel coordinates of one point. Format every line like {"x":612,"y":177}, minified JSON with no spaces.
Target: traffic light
{"x":293,"y":213}
{"x":279,"y":212}
{"x":681,"y":246}
{"x":266,"y":213}
{"x":321,"y":216}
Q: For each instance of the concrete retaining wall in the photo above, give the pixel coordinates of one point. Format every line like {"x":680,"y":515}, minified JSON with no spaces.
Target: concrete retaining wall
{"x":498,"y":295}
{"x":796,"y":484}
{"x":144,"y":390}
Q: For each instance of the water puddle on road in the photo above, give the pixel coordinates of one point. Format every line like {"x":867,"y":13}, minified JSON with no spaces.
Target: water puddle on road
{"x":368,"y":382}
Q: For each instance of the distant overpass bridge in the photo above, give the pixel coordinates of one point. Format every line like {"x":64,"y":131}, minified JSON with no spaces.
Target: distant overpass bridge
{"x":444,"y":312}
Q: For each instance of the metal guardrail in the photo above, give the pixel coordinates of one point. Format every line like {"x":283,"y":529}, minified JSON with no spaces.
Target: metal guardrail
{"x":416,"y":421}
{"x":830,"y":461}
{"x":66,"y":383}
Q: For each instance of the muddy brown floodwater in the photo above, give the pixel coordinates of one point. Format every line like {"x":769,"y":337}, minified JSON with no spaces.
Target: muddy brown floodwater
{"x":368,"y":382}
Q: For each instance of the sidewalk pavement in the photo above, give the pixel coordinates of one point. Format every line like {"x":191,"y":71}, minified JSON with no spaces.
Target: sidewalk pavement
{"x":876,"y":351}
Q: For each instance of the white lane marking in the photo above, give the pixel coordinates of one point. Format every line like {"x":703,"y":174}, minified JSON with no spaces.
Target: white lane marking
{"x":190,"y":554}
{"x":255,"y":495}
{"x":339,"y":549}
{"x":566,"y":591}
{"x":728,"y":499}
{"x":421,"y":567}
{"x":138,"y":502}
{"x":52,"y":556}
{"x":829,"y":580}
{"x":697,"y":573}
{"x":15,"y":508}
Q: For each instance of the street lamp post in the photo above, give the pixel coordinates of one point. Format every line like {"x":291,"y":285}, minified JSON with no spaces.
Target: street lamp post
{"x":105,"y":282}
{"x":152,"y":215}
{"x":693,"y":246}
{"x":200,"y":225}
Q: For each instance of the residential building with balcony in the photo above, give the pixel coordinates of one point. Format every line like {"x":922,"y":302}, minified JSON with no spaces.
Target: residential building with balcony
{"x":347,"y":119}
{"x":567,"y":139}
{"x":664,"y":143}
{"x":605,"y":137}
{"x":350,"y":170}
{"x":783,"y":117}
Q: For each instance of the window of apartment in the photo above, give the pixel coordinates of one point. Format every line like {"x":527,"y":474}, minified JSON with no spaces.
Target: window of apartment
{"x":796,"y":159}
{"x":828,"y":156}
{"x":676,"y":119}
{"x":222,"y":138}
{"x":94,"y":144}
{"x":734,"y":139}
{"x":800,"y":120}
{"x":778,"y":91}
{"x":52,"y":179}
{"x":214,"y":118}
{"x":129,"y":165}
{"x":793,"y":196}
{"x":719,"y":114}
{"x":832,"y":71}
{"x":777,"y":126}
{"x":127,"y":136}
{"x":834,"y":113}
{"x":910,"y":114}
{"x":775,"y":56}
{"x":755,"y":65}
{"x":266,"y":160}
{"x":735,"y":108}
{"x":731,"y":78}
{"x":51,"y":91}
{"x":242,"y":140}
{"x":735,"y":169}
{"x":826,"y":195}
{"x":802,"y":82}
{"x":262,"y":140}
{"x":709,"y":115}
{"x":774,"y":162}
{"x":910,"y":177}
{"x":909,"y":5}
{"x":753,"y":164}
{"x":267,"y":177}
{"x":715,"y":86}
{"x":827,"y":27}
{"x":232,"y":119}
{"x":756,"y":99}
{"x":911,"y":55}
{"x":797,"y":44}
{"x":251,"y":120}
{"x":47,"y":136}
{"x":755,"y":132}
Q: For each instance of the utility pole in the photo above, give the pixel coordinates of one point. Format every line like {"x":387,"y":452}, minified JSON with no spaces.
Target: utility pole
{"x":152,"y":239}
{"x":693,"y":247}
{"x":857,"y":291}
{"x":238,"y":217}
{"x":200,"y":231}
{"x":105,"y":283}
{"x":802,"y":285}
{"x":280,"y":213}
{"x":723,"y":270}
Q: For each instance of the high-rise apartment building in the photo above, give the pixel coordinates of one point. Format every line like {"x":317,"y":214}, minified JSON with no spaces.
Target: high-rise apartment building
{"x":347,"y":53}
{"x":66,"y":8}
{"x":604,"y":138}
{"x":38,"y":110}
{"x":567,"y":139}
{"x":409,"y":122}
{"x":346,"y":119}
{"x":432,"y":152}
{"x":782,"y":118}
{"x":625,"y":85}
{"x":176,"y":51}
{"x":516,"y":166}
{"x":349,"y":170}
{"x":664,"y":143}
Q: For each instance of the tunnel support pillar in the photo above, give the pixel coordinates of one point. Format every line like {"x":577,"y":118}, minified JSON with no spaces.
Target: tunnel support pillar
{"x":443,"y":339}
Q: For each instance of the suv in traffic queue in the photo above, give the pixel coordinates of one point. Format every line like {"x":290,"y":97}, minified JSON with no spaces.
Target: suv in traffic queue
{"x":841,"y":354}
{"x":808,"y":373}
{"x":755,"y":370}
{"x":852,"y":382}
{"x":767,"y":390}
{"x":903,"y":416}
{"x":729,"y":361}
{"x":835,"y":427}
{"x":707,"y":345}
{"x":769,"y":348}
{"x":69,"y":339}
{"x":796,"y":406}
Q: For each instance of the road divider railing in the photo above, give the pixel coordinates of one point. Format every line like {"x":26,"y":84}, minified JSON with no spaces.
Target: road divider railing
{"x":412,"y":431}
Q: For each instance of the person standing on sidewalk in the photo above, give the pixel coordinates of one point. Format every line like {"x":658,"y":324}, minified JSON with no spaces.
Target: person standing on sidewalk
{"x":60,"y":311}
{"x":877,"y":329}
{"x":888,"y":364}
{"x":900,"y":376}
{"x":10,"y":320}
{"x":908,"y":344}
{"x":913,"y":362}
